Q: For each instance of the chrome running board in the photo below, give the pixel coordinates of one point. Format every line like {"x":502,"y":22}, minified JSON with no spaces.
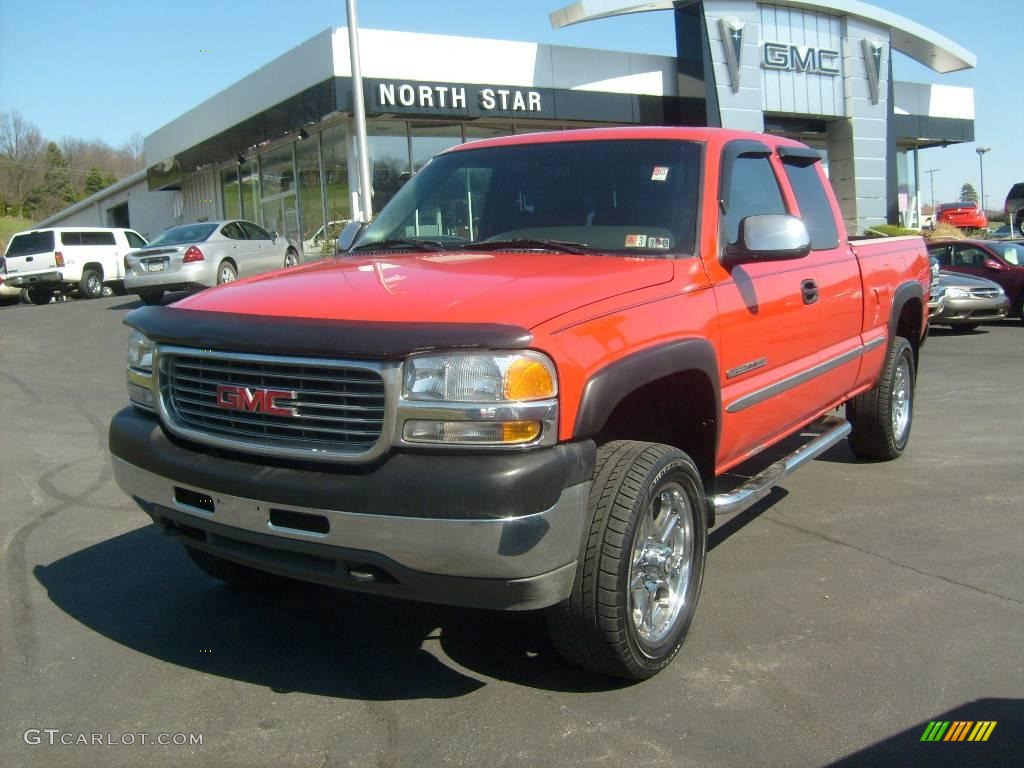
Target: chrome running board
{"x":759,"y":486}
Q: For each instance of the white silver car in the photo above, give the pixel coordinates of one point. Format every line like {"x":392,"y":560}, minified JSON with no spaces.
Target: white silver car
{"x":202,"y":255}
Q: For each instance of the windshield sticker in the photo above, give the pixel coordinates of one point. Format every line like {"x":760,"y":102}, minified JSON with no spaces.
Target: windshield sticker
{"x":660,"y":173}
{"x":658,"y":242}
{"x":636,"y":241}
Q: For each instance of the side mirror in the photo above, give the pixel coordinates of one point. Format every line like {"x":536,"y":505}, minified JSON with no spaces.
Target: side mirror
{"x":770,"y":237}
{"x":349,"y":234}
{"x":993,"y":263}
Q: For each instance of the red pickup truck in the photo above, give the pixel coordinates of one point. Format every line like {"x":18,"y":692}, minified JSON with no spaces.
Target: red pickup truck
{"x":520,"y":386}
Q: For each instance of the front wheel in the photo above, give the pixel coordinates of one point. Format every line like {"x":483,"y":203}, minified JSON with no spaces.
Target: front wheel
{"x":641,"y":566}
{"x":881,"y":417}
{"x":291,"y":258}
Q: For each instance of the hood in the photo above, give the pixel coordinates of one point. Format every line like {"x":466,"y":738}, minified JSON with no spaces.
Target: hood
{"x":523,"y":288}
{"x":960,"y":280}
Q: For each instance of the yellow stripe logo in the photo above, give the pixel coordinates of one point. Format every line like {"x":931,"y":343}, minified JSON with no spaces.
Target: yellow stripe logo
{"x":958,"y":730}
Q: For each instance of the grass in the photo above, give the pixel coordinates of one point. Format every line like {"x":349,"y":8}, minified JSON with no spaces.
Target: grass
{"x":10,"y":225}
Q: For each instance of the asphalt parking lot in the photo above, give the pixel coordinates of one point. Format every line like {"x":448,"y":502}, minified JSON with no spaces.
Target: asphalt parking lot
{"x":839,"y":617}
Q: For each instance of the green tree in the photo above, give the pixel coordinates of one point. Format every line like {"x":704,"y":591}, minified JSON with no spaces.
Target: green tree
{"x":56,"y":192}
{"x":94,"y":181}
{"x":968,"y":194}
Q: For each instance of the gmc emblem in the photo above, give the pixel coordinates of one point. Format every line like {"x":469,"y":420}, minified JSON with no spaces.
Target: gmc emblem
{"x":255,"y":399}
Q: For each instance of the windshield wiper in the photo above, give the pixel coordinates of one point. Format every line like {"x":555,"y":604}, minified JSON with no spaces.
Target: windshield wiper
{"x":398,"y":242}
{"x":529,"y":243}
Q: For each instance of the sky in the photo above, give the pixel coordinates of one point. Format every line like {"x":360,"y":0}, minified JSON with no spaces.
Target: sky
{"x":108,"y":70}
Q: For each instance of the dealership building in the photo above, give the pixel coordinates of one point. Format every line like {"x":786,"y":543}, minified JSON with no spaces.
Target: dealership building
{"x":278,"y":147}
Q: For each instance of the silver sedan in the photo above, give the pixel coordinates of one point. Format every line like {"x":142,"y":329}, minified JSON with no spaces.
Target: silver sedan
{"x":202,"y":255}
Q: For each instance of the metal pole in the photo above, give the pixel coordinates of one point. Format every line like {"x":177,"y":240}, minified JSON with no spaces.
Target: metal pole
{"x":981,"y":168}
{"x":359,"y":111}
{"x":931,"y":175}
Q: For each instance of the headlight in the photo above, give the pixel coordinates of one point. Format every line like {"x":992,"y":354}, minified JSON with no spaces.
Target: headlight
{"x":484,"y":399}
{"x":140,"y":352}
{"x":957,"y":293}
{"x":140,"y":371}
{"x":476,"y":378}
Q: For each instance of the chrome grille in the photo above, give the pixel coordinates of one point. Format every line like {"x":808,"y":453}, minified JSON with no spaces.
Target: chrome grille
{"x":985,"y":293}
{"x":334,"y":408}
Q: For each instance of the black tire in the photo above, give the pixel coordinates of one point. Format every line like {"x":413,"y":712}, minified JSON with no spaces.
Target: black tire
{"x":291,"y":258}
{"x":40,"y":296}
{"x":226,"y":273}
{"x":91,"y":284}
{"x":152,"y":297}
{"x":882,"y":417}
{"x":966,"y":327}
{"x":234,"y":574}
{"x":596,"y":628}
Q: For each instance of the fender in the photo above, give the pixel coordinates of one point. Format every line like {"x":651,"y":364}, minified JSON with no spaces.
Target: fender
{"x":606,"y":389}
{"x":904,"y":293}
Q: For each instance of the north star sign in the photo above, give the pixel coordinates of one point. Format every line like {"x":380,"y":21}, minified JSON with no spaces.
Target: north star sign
{"x":800,"y":58}
{"x":433,"y":97}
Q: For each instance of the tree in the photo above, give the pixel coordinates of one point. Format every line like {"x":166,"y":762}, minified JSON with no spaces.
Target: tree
{"x":968,"y":194}
{"x":21,"y":149}
{"x":94,"y":182}
{"x":56,"y":191}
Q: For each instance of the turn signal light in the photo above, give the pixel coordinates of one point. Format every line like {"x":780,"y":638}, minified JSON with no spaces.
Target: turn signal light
{"x":59,"y":257}
{"x":193,"y":254}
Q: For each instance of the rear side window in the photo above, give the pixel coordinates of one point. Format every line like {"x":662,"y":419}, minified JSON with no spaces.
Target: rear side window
{"x":753,"y":191}
{"x":30,"y":243}
{"x":87,"y":238}
{"x":253,"y":232}
{"x":233,"y":231}
{"x":134,"y":240}
{"x":941,"y":253}
{"x":814,"y":205}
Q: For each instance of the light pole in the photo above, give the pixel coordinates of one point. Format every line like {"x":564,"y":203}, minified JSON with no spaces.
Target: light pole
{"x":359,"y":110}
{"x":981,"y":168}
{"x":931,"y":177}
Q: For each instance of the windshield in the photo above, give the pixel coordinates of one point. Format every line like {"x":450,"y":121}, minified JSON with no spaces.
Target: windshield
{"x":636,"y":197}
{"x":1013,"y":253}
{"x":30,"y":243}
{"x":190,"y":233}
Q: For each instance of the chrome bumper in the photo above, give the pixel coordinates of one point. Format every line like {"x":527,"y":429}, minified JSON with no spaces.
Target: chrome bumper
{"x":540,"y":548}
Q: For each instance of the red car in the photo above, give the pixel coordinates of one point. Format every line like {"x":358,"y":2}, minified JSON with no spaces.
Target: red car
{"x":965,"y":215}
{"x":1001,"y":261}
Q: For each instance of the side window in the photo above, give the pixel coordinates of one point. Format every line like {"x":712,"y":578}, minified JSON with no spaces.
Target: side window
{"x":813,"y":202}
{"x":965,"y":256}
{"x":942,"y":254}
{"x":233,"y":231}
{"x":70,"y":238}
{"x":98,"y":238}
{"x":134,"y":240}
{"x":253,"y":232}
{"x":753,"y":190}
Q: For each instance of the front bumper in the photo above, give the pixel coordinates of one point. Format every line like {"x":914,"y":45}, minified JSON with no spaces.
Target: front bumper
{"x":969,"y":311}
{"x":441,"y":541}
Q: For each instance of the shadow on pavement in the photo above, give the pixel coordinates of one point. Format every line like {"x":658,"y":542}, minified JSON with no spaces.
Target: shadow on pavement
{"x":1004,"y":747}
{"x":141,"y":591}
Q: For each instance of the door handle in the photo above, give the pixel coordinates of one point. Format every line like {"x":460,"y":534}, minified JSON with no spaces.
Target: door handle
{"x":809,"y":289}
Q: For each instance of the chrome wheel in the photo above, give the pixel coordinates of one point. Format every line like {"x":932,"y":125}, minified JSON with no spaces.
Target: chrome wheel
{"x":901,"y":400}
{"x":95,"y":285}
{"x":662,"y":564}
{"x":227,"y":274}
{"x":290,"y":259}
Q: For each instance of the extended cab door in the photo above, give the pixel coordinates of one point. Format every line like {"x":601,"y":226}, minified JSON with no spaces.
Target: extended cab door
{"x":770,"y":331}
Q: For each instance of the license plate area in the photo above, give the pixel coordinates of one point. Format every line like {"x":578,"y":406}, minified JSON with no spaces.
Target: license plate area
{"x":158,"y":265}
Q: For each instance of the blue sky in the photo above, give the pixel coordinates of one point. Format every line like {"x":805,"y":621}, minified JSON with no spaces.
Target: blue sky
{"x":108,"y":69}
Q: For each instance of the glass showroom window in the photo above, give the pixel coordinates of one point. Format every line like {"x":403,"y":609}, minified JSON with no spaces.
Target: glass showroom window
{"x":389,"y":159}
{"x":307,"y":162}
{"x":429,"y":139}
{"x":230,"y":193}
{"x":336,"y":193}
{"x":277,"y":172}
{"x":250,"y":190}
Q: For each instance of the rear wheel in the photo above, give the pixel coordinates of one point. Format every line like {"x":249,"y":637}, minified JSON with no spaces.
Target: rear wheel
{"x":291,"y":258}
{"x":235,"y":574}
{"x":640,"y":571}
{"x":40,"y":296}
{"x":91,"y":285}
{"x":151,"y":297}
{"x":881,"y":417}
{"x":226,"y":273}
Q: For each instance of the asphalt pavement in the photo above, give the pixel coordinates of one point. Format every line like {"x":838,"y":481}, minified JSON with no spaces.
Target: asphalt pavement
{"x":857,"y":604}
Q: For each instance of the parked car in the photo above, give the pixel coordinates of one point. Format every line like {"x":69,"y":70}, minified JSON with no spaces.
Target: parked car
{"x":1014,"y":208}
{"x":969,"y":301}
{"x":204,"y":254}
{"x":313,"y":247}
{"x":9,"y":294}
{"x":937,"y":294}
{"x":85,"y":259}
{"x":964,"y":215}
{"x":1001,"y":261}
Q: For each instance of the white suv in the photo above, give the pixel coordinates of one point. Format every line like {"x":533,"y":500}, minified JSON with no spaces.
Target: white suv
{"x":68,"y":258}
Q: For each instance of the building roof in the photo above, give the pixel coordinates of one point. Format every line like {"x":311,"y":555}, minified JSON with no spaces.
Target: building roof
{"x":908,"y":37}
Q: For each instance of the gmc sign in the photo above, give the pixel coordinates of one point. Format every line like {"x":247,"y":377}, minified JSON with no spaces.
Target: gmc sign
{"x":800,"y":58}
{"x":255,"y":400}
